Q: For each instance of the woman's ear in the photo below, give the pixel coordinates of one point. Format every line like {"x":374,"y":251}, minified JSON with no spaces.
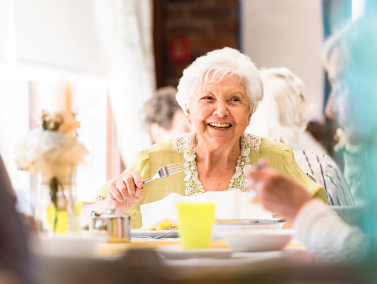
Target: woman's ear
{"x":188,"y":115}
{"x":249,"y":118}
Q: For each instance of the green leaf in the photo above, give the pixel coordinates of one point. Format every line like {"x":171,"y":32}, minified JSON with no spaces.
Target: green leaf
{"x":54,"y":188}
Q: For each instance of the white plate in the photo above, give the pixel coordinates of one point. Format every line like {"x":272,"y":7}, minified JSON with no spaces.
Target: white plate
{"x":247,"y":224}
{"x":257,"y":240}
{"x":177,"y":252}
{"x":137,"y":233}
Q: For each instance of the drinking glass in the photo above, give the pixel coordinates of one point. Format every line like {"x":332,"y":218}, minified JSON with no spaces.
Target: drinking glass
{"x":195,"y":221}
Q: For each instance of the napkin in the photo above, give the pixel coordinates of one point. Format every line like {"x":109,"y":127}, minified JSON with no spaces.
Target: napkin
{"x":230,"y":205}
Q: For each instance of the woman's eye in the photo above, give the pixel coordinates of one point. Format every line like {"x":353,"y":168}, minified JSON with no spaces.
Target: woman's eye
{"x":207,"y":98}
{"x":235,"y":99}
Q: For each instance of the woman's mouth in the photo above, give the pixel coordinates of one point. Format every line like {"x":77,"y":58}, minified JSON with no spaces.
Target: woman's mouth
{"x":219,"y":125}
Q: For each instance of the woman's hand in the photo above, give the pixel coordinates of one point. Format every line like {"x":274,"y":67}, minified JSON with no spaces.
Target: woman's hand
{"x":125,"y":191}
{"x":277,"y":193}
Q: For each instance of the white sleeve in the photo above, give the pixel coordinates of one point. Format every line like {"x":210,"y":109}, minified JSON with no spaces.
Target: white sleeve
{"x":327,"y":237}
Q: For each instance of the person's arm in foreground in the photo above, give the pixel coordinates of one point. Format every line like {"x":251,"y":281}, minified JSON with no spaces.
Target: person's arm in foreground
{"x":326,"y":237}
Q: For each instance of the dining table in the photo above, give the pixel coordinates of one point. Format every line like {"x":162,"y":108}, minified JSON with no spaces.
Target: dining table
{"x":143,"y":260}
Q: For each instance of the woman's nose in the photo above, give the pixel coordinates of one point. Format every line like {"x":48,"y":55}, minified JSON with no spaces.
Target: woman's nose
{"x":221,"y":109}
{"x":330,"y":107}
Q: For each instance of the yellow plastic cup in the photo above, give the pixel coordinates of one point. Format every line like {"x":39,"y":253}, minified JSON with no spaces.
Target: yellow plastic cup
{"x":195,"y":222}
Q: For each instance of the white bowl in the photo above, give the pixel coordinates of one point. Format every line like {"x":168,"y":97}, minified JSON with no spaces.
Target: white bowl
{"x":257,"y":240}
{"x":222,"y":226}
{"x":65,"y":245}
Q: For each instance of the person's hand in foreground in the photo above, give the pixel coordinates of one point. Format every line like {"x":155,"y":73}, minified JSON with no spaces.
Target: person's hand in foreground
{"x":125,"y":191}
{"x":277,"y":193}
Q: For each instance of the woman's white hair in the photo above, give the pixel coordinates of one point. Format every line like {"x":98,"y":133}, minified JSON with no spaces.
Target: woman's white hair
{"x":216,"y":66}
{"x":284,"y":112}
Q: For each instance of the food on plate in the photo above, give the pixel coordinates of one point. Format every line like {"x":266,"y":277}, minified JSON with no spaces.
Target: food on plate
{"x":167,"y":225}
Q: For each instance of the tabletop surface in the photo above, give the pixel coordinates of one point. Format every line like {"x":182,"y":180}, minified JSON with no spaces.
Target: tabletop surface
{"x":294,"y":250}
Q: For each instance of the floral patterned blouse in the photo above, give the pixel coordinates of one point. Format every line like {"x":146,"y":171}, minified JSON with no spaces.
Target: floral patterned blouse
{"x":186,"y":145}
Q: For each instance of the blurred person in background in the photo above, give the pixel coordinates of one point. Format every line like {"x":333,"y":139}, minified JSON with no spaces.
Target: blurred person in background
{"x":15,"y":258}
{"x":352,"y":151}
{"x":354,"y":104}
{"x":219,"y":93}
{"x":164,"y":118}
{"x":284,"y":113}
{"x":283,"y":116}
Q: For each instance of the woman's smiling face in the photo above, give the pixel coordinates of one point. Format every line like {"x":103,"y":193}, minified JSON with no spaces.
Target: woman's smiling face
{"x":219,"y":112}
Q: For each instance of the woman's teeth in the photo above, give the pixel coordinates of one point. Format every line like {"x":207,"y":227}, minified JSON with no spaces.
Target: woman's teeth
{"x":220,"y":125}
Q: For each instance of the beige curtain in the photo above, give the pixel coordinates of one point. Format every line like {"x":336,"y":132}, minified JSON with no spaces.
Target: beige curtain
{"x":125,"y":31}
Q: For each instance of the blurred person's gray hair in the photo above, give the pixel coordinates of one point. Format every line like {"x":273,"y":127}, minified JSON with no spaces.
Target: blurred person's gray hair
{"x":284,"y":111}
{"x":160,"y":109}
{"x":216,"y":66}
{"x":337,"y":42}
{"x":356,"y":42}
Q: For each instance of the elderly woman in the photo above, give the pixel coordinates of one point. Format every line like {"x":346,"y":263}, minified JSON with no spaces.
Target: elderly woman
{"x":164,"y":117}
{"x":283,"y":116}
{"x":219,"y":93}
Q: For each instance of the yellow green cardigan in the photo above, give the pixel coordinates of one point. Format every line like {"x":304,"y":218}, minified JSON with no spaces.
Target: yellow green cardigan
{"x":148,"y":161}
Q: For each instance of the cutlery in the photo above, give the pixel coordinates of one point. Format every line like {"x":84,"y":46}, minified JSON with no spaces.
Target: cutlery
{"x":166,"y":171}
{"x":165,"y":234}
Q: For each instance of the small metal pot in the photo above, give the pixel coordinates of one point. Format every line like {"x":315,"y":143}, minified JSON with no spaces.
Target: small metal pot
{"x":117,"y":225}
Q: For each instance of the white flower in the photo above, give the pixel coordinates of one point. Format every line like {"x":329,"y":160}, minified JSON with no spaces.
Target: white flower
{"x":188,"y":191}
{"x":195,"y":178}
{"x":49,"y":152}
{"x":188,"y":175}
{"x":246,"y":168}
{"x":189,"y":157}
{"x":238,"y":173}
{"x":245,"y":152}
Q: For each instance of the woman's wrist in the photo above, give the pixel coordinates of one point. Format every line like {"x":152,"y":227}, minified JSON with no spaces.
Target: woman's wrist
{"x":297,"y":208}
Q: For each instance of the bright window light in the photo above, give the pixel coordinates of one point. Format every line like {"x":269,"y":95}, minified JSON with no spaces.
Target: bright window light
{"x":358,"y":9}
{"x":28,"y":74}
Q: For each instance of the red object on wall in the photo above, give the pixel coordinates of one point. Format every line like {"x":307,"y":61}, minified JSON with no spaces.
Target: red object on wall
{"x":179,"y":50}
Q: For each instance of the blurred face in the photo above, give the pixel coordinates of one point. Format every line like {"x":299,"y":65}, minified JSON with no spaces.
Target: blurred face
{"x":337,"y":104}
{"x":334,"y":71}
{"x":179,"y":125}
{"x":219,"y":112}
{"x":346,"y":102}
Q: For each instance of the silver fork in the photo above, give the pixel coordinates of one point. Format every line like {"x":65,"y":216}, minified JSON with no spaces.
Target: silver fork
{"x":167,"y":171}
{"x":165,"y":234}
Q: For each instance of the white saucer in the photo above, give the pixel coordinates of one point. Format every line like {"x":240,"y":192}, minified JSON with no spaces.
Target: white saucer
{"x":177,"y":252}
